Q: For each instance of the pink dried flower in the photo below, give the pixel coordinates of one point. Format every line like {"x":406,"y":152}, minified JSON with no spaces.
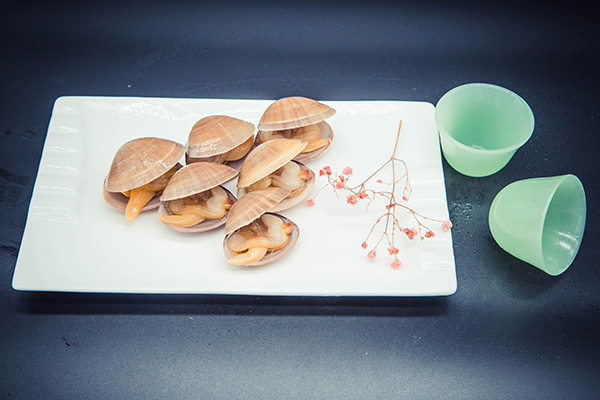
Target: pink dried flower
{"x":364,"y":245}
{"x":347,"y":171}
{"x":321,"y":172}
{"x":372,"y":254}
{"x":446,"y":225}
{"x":404,"y":198}
{"x":389,"y":206}
{"x":327,"y":170}
{"x":339,"y":185}
{"x":411,"y":233}
{"x":396,"y":263}
{"x":379,"y":181}
{"x":392,"y":250}
{"x":362,"y":195}
{"x":429,"y":234}
{"x":341,"y":178}
{"x":310,"y":202}
{"x":351,"y":199}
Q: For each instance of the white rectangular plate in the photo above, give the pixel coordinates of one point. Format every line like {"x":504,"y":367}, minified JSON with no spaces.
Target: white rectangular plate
{"x":75,"y":242}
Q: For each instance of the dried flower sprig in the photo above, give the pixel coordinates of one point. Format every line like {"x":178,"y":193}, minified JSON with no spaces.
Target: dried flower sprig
{"x":389,"y":220}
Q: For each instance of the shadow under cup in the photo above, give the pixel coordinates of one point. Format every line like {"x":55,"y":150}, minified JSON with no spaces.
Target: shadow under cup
{"x":541,"y":221}
{"x":481,"y":126}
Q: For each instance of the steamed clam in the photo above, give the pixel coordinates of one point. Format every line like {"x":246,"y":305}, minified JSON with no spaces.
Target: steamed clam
{"x":270,"y":165}
{"x":194,"y":201}
{"x":298,"y":118}
{"x":220,"y":139}
{"x":139,"y":173}
{"x":252,"y":235}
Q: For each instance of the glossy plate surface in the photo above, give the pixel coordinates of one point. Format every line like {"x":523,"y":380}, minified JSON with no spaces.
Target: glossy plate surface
{"x":75,"y":242}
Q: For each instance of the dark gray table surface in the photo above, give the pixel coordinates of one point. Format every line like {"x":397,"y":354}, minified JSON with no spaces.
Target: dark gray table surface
{"x":509,"y":331}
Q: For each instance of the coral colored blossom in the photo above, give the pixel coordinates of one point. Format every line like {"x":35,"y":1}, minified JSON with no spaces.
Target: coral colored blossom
{"x":310,"y":202}
{"x":446,"y":225}
{"x":347,"y":171}
{"x":392,"y":250}
{"x":327,"y":170}
{"x":379,"y":181}
{"x":389,"y":206}
{"x":339,"y":185}
{"x":352,"y":199}
{"x":396,"y":263}
{"x":411,"y":233}
{"x":429,"y":234}
{"x":372,"y":254}
{"x":321,"y":172}
{"x":364,"y":245}
{"x":341,"y":178}
{"x":362,"y":195}
{"x":404,"y":198}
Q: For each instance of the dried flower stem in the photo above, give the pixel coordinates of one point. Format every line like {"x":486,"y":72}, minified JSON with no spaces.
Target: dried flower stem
{"x":391,"y":224}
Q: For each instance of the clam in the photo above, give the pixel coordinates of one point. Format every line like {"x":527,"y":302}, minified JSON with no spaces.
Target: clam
{"x":139,"y":172}
{"x":270,"y":165}
{"x":220,"y":139}
{"x":194,"y":201}
{"x":254,"y":236}
{"x":298,"y":118}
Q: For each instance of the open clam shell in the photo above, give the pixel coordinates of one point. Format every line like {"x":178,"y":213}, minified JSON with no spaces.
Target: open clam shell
{"x":140,"y":161}
{"x":290,"y":201}
{"x":325,"y":132}
{"x":218,"y":134}
{"x":196,"y":178}
{"x":204,"y":226}
{"x":193,"y":179}
{"x":118,"y":200}
{"x":251,"y":207}
{"x":293,"y":112}
{"x":268,"y":158}
{"x":271,"y":255}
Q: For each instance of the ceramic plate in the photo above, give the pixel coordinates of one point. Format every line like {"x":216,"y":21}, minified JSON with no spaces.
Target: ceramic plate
{"x":75,"y":242}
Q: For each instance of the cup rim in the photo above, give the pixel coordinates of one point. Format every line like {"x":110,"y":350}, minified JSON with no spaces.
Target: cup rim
{"x":459,"y":144}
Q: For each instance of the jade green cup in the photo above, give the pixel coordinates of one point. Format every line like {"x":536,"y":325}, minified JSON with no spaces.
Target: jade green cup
{"x":481,"y":126}
{"x":540,"y":221}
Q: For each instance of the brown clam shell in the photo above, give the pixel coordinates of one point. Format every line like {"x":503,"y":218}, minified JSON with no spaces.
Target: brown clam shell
{"x":253,"y":205}
{"x":267,"y":158}
{"x":290,"y":202}
{"x":293,"y":112}
{"x":217,"y":134}
{"x":140,"y":161}
{"x":204,"y":226}
{"x":272,"y":255}
{"x":196,"y":178}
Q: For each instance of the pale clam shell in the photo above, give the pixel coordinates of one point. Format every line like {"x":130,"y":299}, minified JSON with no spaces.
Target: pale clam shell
{"x":253,"y":205}
{"x":267,"y":158}
{"x":217,"y":134}
{"x":290,"y":202}
{"x":272,"y":255}
{"x":140,"y":161}
{"x":325,"y":133}
{"x":206,"y":225}
{"x":196,"y":178}
{"x":293,"y":112}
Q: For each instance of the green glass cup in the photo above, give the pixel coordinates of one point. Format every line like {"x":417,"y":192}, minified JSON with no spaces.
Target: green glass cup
{"x":540,"y":221}
{"x":481,"y":126}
